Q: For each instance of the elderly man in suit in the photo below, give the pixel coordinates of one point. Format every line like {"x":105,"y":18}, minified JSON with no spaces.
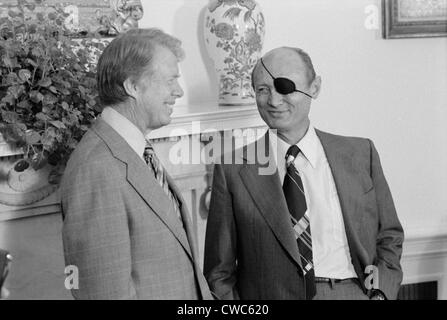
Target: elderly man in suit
{"x":323,"y":218}
{"x":126,"y":227}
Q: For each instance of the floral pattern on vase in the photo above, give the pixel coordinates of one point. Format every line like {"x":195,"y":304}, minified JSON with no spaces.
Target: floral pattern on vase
{"x":234,"y":34}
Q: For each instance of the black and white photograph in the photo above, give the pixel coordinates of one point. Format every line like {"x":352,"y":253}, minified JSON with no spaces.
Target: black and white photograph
{"x":211,"y":152}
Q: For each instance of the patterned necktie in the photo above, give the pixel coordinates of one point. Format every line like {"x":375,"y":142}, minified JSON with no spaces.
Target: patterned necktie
{"x":296,"y":202}
{"x":160,"y":175}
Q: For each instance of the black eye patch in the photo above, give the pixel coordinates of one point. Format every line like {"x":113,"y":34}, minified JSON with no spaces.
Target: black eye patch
{"x":284,"y":85}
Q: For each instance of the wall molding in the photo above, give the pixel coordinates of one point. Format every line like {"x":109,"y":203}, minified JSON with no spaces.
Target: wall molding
{"x":424,"y":259}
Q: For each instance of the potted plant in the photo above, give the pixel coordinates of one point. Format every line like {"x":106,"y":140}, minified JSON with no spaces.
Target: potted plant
{"x":48,"y":95}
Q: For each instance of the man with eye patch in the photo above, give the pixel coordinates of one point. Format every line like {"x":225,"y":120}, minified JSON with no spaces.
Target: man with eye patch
{"x":323,"y":225}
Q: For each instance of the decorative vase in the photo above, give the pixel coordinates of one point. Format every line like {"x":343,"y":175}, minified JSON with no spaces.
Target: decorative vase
{"x":234,"y":33}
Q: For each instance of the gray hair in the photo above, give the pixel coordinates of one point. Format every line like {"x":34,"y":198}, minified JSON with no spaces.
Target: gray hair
{"x":129,"y":55}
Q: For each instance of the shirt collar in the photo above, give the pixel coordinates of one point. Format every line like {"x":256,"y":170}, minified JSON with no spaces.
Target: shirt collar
{"x":126,"y":129}
{"x":309,"y":146}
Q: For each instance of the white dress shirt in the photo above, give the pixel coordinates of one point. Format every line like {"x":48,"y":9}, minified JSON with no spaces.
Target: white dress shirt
{"x":330,"y":249}
{"x":126,"y":129}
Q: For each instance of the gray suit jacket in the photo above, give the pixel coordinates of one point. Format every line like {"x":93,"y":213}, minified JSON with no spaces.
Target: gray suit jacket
{"x":120,"y":228}
{"x":251,"y":251}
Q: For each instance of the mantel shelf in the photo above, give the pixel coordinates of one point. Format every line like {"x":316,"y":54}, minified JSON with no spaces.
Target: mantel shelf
{"x":208,"y":117}
{"x":203,"y":117}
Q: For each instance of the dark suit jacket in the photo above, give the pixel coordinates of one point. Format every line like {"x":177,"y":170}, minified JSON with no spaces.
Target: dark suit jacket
{"x":120,"y":228}
{"x":251,"y":251}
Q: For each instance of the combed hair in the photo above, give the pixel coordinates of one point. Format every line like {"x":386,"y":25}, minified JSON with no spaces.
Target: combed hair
{"x":306,"y":59}
{"x":128,"y":56}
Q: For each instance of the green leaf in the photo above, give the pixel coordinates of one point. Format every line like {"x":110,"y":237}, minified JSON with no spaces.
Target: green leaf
{"x":9,"y":98}
{"x":42,"y":116}
{"x":10,"y":117}
{"x":24,"y":105}
{"x":24,"y":75}
{"x":49,"y":99}
{"x":49,"y":137}
{"x":7,"y":61}
{"x":82,"y":90}
{"x":31,"y":62}
{"x":14,"y":91}
{"x":37,"y":52}
{"x":21,"y":126}
{"x":66,"y":84}
{"x":36,"y":96}
{"x":58,"y":124}
{"x":65,"y":92}
{"x":12,"y":78}
{"x":13,"y":134}
{"x":53,"y":89}
{"x":65,"y":106}
{"x":32,"y":137}
{"x":46,"y":82}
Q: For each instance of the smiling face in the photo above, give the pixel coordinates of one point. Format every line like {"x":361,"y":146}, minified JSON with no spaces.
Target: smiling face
{"x":289,"y":114}
{"x":157,"y":89}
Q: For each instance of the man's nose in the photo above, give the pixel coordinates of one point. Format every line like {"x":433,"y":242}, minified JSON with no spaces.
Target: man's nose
{"x":275,"y":98}
{"x":178,"y":91}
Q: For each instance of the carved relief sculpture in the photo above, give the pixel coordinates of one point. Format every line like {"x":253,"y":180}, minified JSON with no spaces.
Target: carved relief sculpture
{"x":125,"y":15}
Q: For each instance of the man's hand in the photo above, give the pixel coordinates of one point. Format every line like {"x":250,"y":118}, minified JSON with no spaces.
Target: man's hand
{"x":377,"y":295}
{"x":4,"y":294}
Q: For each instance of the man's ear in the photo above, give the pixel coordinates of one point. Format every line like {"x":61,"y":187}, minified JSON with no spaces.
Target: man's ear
{"x":315,"y":87}
{"x":130,"y":87}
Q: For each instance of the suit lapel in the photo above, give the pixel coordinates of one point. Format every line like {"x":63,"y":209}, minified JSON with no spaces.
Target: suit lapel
{"x":191,"y":234}
{"x":185,"y":217}
{"x":142,"y":180}
{"x":266,"y":192}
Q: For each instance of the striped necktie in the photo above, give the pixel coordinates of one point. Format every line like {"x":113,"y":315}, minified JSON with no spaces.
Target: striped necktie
{"x":296,"y":202}
{"x":160,"y":175}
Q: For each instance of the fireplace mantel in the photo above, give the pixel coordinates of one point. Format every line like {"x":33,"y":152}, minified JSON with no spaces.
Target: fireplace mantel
{"x":209,"y":117}
{"x":192,"y":119}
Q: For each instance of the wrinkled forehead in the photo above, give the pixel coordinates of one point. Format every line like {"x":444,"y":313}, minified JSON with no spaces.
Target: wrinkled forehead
{"x":283,"y":63}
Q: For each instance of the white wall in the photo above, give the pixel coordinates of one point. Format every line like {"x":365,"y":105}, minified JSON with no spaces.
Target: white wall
{"x":393,"y":91}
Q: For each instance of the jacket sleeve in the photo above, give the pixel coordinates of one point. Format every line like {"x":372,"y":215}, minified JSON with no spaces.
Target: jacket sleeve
{"x":221,"y":241}
{"x":96,"y":234}
{"x":390,"y":234}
